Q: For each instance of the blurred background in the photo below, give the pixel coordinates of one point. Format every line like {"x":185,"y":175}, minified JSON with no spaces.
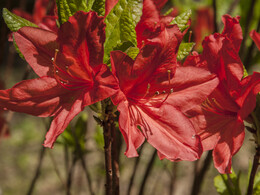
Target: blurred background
{"x":77,"y":160}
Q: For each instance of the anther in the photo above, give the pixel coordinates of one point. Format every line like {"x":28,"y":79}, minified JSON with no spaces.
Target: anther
{"x":171,"y":91}
{"x":66,"y":67}
{"x":164,"y":92}
{"x":52,"y":59}
{"x":190,"y":36}
{"x":57,"y":71}
{"x":157,"y":93}
{"x":193,"y":136}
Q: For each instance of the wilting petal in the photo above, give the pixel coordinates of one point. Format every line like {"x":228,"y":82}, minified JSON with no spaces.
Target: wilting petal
{"x":233,"y":30}
{"x":230,"y":141}
{"x":39,"y":97}
{"x":256,"y":38}
{"x":169,"y":131}
{"x":81,"y":40}
{"x":61,"y":120}
{"x":37,"y":46}
{"x":132,"y":135}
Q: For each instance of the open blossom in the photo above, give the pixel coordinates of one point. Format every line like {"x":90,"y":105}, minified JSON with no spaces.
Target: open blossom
{"x":150,"y":89}
{"x":71,"y":70}
{"x":222,"y":114}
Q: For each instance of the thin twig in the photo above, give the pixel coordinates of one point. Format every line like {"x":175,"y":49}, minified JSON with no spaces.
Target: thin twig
{"x":56,"y":168}
{"x":37,"y":172}
{"x":137,"y":160}
{"x":147,"y":173}
{"x":200,"y":174}
{"x":70,"y":175}
{"x":253,"y":171}
{"x":246,"y":29}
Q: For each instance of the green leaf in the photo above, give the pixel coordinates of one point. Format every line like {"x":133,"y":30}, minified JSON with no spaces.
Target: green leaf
{"x":257,"y":184}
{"x":67,"y":8}
{"x":184,"y":50}
{"x":227,"y":185}
{"x":132,"y":52}
{"x":14,"y":22}
{"x":90,"y":4}
{"x":182,"y":20}
{"x":120,"y":27}
{"x":99,"y":7}
{"x":127,"y":27}
{"x":17,"y":49}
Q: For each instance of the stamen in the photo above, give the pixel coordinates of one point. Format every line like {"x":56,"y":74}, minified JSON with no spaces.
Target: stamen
{"x":157,"y":93}
{"x":171,"y":91}
{"x":190,"y":36}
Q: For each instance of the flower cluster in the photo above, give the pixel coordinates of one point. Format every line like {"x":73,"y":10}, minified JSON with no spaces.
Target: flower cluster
{"x":180,"y":108}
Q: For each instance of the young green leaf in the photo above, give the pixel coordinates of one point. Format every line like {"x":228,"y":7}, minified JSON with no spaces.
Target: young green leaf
{"x":90,"y":4}
{"x":184,"y":50}
{"x":67,"y":8}
{"x":120,"y":27}
{"x":17,"y":49}
{"x":99,"y":7}
{"x":14,"y":22}
{"x":227,"y":184}
{"x":182,"y":20}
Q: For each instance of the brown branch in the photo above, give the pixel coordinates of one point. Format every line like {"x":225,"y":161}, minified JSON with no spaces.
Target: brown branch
{"x":110,"y":149}
{"x":200,"y":174}
{"x":253,"y":171}
{"x":70,"y":175}
{"x":147,"y":173}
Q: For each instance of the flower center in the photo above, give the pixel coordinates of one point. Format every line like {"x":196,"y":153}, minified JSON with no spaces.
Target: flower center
{"x":64,"y":76}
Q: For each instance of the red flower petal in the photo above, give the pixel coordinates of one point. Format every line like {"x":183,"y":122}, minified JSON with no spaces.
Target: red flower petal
{"x":61,"y":120}
{"x":38,"y":47}
{"x":81,"y":39}
{"x":229,"y":143}
{"x":174,"y":138}
{"x":132,"y":135}
{"x":256,"y":38}
{"x":39,"y":97}
{"x":233,"y":30}
{"x":109,"y":6}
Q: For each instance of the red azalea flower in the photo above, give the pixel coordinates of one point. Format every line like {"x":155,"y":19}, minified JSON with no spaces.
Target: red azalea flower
{"x":256,"y":38}
{"x":221,"y":120}
{"x":71,"y":70}
{"x":151,"y":23}
{"x":150,"y":89}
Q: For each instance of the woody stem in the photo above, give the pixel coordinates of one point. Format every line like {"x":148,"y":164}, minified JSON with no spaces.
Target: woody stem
{"x":256,"y":157}
{"x":110,"y":149}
